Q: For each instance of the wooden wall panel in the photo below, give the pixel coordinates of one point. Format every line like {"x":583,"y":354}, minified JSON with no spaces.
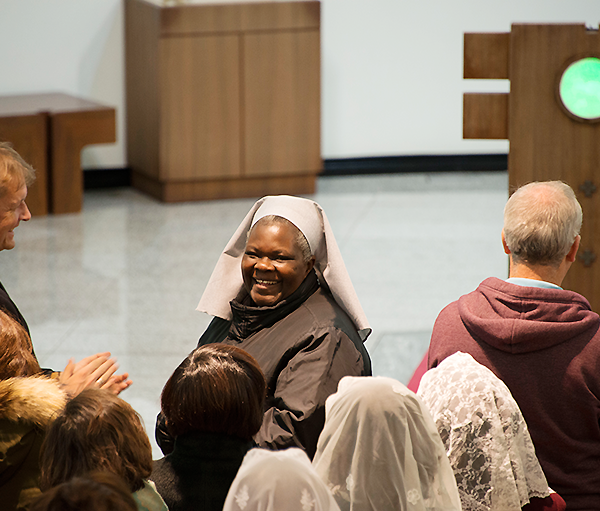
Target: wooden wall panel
{"x":190,"y":19}
{"x":280,"y":15}
{"x":200,"y":107}
{"x":486,"y":55}
{"x":239,"y":188}
{"x":204,"y":19}
{"x":485,"y":116}
{"x":281,"y":102}
{"x":142,"y":22}
{"x":211,"y":189}
{"x":547,"y":144}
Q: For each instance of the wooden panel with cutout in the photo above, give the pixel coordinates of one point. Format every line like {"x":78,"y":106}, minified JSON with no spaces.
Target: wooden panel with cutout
{"x":71,"y":132}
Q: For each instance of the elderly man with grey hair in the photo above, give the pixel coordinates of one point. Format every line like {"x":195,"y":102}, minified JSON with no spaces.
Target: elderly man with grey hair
{"x":540,"y":339}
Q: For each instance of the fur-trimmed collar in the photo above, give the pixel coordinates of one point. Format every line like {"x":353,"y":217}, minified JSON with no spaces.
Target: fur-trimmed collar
{"x":35,"y":399}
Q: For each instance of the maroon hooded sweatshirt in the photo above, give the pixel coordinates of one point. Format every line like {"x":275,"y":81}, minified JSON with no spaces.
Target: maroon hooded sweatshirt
{"x":545,"y":345}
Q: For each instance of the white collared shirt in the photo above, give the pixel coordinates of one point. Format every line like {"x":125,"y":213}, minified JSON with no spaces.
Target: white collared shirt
{"x":520,"y":281}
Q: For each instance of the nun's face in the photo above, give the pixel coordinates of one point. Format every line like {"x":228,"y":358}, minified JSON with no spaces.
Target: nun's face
{"x":273,"y":266}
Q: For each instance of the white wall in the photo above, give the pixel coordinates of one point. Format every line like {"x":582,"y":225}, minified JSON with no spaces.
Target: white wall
{"x":391,"y":69}
{"x":72,"y":46}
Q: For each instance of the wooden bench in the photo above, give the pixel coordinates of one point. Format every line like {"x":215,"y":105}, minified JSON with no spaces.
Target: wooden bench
{"x":49,"y":131}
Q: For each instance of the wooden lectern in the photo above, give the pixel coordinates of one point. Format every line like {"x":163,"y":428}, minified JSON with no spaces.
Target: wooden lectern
{"x":223,"y":99}
{"x":547,"y":142}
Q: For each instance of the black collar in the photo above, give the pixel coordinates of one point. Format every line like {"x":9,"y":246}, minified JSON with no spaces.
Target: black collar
{"x":248,"y":318}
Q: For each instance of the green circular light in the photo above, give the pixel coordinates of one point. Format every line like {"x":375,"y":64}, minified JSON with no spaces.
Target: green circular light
{"x":579,"y":88}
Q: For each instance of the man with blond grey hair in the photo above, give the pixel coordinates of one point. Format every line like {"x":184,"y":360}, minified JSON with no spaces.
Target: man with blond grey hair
{"x":541,"y":340}
{"x":541,"y":228}
{"x":15,"y":176}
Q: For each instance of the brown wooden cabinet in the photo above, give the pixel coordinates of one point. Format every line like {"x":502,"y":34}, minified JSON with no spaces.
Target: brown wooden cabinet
{"x":223,"y":100}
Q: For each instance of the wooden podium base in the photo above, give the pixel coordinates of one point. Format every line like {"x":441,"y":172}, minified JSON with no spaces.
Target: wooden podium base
{"x":223,"y":98}
{"x":224,"y":188}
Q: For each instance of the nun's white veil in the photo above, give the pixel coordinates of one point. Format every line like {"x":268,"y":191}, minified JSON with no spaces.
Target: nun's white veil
{"x":485,"y":435}
{"x":380,"y":450}
{"x":278,"y":481}
{"x":226,"y":280}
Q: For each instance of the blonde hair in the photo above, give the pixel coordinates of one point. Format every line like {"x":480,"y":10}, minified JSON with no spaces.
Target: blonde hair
{"x":15,"y":172}
{"x":541,"y":222}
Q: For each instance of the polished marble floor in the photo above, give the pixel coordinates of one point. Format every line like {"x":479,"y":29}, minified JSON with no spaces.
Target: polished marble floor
{"x":126,"y":274}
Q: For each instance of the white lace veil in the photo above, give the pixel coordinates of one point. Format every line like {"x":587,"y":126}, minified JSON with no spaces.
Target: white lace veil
{"x":380,"y":450}
{"x":278,"y":481}
{"x":226,"y":280}
{"x":485,"y":435}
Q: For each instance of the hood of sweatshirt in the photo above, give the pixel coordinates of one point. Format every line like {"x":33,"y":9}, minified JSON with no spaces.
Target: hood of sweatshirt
{"x":519,"y":319}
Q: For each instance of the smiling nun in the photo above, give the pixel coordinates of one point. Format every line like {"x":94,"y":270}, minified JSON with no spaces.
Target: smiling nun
{"x":280,"y":291}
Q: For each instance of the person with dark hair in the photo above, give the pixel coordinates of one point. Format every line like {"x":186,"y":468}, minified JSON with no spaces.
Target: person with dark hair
{"x":213,"y":406}
{"x":281,"y":291}
{"x":99,"y":431}
{"x":29,"y":402}
{"x":96,"y":491}
{"x":15,"y":176}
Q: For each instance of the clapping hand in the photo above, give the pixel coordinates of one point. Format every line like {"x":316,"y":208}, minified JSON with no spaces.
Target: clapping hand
{"x":94,"y":371}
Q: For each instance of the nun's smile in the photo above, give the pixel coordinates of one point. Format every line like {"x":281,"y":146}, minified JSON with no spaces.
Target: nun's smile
{"x":273,"y":265}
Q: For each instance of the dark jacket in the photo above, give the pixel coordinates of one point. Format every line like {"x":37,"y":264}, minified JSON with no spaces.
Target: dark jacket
{"x":305,"y":345}
{"x":11,"y":308}
{"x":199,"y":471}
{"x":545,"y":345}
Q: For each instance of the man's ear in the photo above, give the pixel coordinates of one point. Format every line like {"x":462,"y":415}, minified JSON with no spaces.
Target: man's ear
{"x":506,"y":249}
{"x":572,"y":255}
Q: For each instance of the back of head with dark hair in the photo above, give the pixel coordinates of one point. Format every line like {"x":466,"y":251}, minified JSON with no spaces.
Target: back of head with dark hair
{"x":16,"y":353}
{"x":216,"y":389}
{"x":96,"y":431}
{"x":97,"y":491}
